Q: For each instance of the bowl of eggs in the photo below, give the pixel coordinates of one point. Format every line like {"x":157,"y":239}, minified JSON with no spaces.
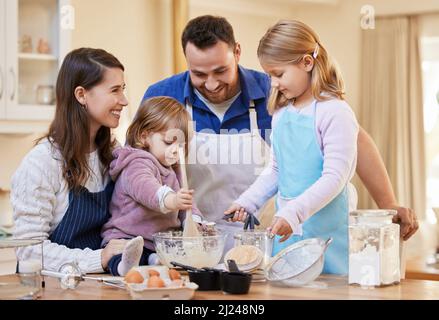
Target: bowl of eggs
{"x":158,"y":283}
{"x":198,"y":252}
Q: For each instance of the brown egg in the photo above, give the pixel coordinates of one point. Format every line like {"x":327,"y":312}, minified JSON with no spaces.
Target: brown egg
{"x":153,"y":272}
{"x":174,"y":274}
{"x":133,"y":276}
{"x":155,"y":282}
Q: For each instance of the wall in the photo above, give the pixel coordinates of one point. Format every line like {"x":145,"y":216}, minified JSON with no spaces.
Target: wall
{"x":131,"y":33}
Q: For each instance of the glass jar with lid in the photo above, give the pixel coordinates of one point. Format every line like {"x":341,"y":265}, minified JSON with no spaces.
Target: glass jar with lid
{"x":374,"y":252}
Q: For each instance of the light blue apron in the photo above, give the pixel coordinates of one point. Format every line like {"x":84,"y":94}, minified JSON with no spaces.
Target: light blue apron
{"x":300,"y":163}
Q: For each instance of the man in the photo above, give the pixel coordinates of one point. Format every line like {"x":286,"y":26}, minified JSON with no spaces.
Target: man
{"x":223,"y":96}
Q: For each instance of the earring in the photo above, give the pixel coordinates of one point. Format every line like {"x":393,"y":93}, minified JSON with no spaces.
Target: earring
{"x":84,"y":106}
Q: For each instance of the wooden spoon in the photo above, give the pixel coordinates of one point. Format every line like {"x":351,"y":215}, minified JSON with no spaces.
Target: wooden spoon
{"x":190,"y":227}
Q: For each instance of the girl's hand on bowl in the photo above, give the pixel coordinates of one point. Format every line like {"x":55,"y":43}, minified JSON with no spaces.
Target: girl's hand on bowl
{"x":280,"y":227}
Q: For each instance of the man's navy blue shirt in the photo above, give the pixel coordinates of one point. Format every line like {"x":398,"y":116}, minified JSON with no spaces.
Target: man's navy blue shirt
{"x":254,"y":86}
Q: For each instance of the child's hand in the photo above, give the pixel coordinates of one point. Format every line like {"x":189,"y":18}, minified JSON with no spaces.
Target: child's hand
{"x":181,"y":200}
{"x":281,"y":227}
{"x":240,"y":213}
{"x":184,"y":199}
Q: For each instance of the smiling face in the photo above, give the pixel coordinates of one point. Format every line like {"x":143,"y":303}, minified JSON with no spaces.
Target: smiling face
{"x":164,"y":145}
{"x":106,"y":100}
{"x":214,"y":70}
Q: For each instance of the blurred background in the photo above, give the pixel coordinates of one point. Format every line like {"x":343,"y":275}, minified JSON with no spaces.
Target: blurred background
{"x":387,"y":50}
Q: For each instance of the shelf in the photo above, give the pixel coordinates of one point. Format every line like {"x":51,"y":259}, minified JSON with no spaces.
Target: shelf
{"x":23,"y":128}
{"x":37,"y":56}
{"x":36,"y":106}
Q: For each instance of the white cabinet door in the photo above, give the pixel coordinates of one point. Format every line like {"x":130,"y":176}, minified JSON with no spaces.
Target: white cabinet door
{"x":28,"y":70}
{"x":32,"y":73}
{"x":2,"y":60}
{"x":11,"y":55}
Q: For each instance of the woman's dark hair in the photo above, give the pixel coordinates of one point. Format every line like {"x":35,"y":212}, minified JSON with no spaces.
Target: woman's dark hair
{"x":70,"y":129}
{"x":206,"y":31}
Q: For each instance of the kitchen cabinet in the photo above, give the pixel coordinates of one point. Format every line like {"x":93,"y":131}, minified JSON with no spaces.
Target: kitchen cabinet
{"x":34,"y":42}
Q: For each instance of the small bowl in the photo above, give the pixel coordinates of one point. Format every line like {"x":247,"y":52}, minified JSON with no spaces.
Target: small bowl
{"x":206,"y":280}
{"x":197,"y":252}
{"x":235,"y":282}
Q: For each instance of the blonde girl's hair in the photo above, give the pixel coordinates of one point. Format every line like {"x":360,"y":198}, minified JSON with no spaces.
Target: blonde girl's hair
{"x":158,"y":114}
{"x":288,"y":41}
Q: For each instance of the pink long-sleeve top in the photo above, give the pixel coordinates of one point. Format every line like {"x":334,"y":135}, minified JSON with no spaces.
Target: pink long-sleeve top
{"x":336,"y":130}
{"x":137,"y":205}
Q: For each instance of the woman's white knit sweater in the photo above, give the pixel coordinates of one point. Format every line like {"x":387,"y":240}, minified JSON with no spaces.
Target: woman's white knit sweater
{"x":40,"y":198}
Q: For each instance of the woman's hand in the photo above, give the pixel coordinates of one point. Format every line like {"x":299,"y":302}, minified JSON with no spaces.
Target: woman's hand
{"x":181,"y":200}
{"x":280,"y":227}
{"x":114,"y":247}
{"x":240,"y":213}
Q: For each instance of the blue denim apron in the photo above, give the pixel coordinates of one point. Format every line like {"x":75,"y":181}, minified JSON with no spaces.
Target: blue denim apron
{"x":300,"y":163}
{"x":81,"y":225}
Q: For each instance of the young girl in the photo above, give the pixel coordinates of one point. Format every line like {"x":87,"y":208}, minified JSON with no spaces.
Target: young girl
{"x":314,"y":141}
{"x":147,"y":197}
{"x":61,"y":190}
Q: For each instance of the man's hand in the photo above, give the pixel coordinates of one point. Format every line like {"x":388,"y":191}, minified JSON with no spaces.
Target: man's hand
{"x":407,"y":220}
{"x":280,"y":227}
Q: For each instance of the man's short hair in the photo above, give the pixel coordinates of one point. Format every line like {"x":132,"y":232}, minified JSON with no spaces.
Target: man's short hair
{"x":206,"y":31}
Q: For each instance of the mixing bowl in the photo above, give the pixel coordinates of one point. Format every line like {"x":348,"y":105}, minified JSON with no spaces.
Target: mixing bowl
{"x":197,"y":252}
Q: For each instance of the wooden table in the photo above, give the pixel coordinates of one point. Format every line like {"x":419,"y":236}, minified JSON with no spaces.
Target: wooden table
{"x":417,"y":268}
{"x":325,"y":287}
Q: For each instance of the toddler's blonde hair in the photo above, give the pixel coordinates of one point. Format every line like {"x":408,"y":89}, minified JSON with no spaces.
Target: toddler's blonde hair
{"x":288,"y":41}
{"x":158,"y":114}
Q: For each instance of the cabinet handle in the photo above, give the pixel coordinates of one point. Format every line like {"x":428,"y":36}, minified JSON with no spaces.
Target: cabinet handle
{"x":13,"y":82}
{"x":1,"y":83}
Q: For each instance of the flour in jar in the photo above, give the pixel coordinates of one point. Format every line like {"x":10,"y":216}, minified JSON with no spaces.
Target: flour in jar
{"x":369,"y":267}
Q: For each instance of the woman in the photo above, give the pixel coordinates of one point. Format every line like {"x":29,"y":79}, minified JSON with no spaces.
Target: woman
{"x":61,"y":190}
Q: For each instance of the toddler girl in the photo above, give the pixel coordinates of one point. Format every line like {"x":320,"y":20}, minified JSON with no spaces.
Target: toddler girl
{"x":147,"y":197}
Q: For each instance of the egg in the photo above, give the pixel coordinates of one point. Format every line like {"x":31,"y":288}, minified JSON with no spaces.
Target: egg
{"x":155,"y":282}
{"x":153,"y":272}
{"x":174,"y":274}
{"x":133,"y":276}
